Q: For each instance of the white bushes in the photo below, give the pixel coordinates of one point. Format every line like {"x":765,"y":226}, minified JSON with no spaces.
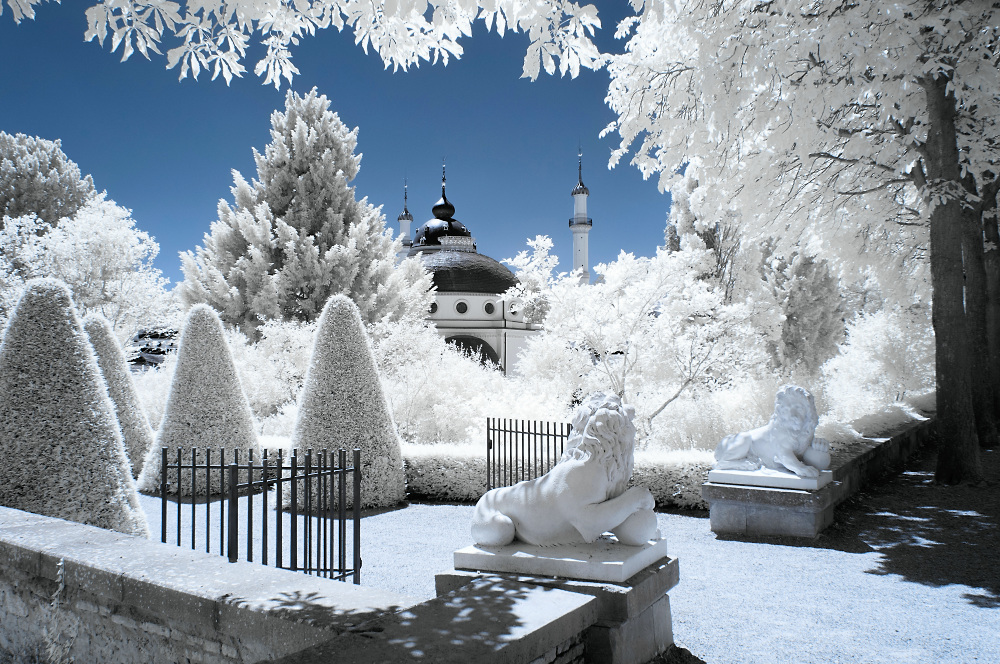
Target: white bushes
{"x":888,"y":355}
{"x":206,"y":406}
{"x":61,"y":450}
{"x":136,"y":434}
{"x":342,"y":404}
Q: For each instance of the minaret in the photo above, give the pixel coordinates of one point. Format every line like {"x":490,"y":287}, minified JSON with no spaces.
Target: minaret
{"x":404,"y":219}
{"x":580,"y":225}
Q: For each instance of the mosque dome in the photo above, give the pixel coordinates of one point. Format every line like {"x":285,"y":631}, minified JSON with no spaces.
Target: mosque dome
{"x":467,"y":272}
{"x":448,"y":251}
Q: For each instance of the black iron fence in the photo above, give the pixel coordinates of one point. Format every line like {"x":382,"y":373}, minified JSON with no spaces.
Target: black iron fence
{"x":518,"y":450}
{"x":293,"y":515}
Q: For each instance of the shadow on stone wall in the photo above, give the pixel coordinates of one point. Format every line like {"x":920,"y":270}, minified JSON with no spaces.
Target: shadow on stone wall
{"x":475,"y":620}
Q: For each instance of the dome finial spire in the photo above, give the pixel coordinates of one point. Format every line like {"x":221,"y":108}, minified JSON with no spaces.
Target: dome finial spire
{"x":443,"y":209}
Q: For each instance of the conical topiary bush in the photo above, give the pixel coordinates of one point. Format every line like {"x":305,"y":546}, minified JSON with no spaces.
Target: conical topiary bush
{"x":206,"y":409}
{"x":61,"y":450}
{"x":342,"y":405}
{"x":136,"y":432}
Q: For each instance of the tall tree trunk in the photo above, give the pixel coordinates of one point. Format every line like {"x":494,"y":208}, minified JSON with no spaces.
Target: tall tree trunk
{"x":975,"y":314}
{"x":991,"y":263}
{"x":958,"y":455}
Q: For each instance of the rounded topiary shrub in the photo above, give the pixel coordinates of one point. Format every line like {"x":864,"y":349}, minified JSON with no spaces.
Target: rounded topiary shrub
{"x":206,"y":409}
{"x":342,"y":405}
{"x":136,"y":432}
{"x":61,"y":450}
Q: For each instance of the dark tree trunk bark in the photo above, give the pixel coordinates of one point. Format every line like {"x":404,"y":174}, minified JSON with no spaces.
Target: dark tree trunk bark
{"x":991,"y":263}
{"x":975,"y":313}
{"x":958,"y":455}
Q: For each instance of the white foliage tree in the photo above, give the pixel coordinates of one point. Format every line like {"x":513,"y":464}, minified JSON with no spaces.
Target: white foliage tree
{"x":61,"y":450}
{"x":342,"y":405}
{"x":853,"y":120}
{"x":808,"y":296}
{"x":100,"y":254}
{"x":297,"y":235}
{"x":216,"y":37}
{"x":648,"y":329}
{"x":136,"y":432}
{"x":206,"y":407}
{"x":534,"y":272}
{"x":37,"y":178}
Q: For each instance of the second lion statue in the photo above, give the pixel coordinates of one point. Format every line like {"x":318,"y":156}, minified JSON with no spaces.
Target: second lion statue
{"x":582,"y":496}
{"x":786,"y":443}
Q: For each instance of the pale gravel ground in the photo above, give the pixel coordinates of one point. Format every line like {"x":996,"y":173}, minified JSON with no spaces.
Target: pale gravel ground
{"x":910,"y":572}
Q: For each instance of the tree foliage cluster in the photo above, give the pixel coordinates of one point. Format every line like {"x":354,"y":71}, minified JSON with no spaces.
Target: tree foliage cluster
{"x":297,"y":234}
{"x":55,"y":225}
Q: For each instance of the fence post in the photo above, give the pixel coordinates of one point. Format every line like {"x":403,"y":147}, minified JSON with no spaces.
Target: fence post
{"x":234,"y":543}
{"x":295,"y":511}
{"x":357,"y":516}
{"x":489,"y":449}
{"x":163,"y":495}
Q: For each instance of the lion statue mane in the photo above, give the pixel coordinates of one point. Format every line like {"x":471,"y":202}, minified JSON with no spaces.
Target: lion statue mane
{"x":583,"y":496}
{"x":786,"y":443}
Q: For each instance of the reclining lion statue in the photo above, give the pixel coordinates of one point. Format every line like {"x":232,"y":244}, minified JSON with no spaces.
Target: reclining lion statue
{"x":787,"y":442}
{"x":583,"y":496}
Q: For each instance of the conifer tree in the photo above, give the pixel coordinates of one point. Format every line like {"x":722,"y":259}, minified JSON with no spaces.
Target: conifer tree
{"x":136,"y":432}
{"x":61,"y":450}
{"x":342,"y":405}
{"x":37,"y":178}
{"x":296,"y":234}
{"x":206,"y":408}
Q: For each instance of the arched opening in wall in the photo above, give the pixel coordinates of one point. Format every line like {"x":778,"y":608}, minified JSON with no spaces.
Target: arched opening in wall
{"x":475,"y":347}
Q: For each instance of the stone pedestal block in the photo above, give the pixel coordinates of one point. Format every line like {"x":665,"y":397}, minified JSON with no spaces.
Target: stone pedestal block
{"x":633,"y":622}
{"x":767,"y":511}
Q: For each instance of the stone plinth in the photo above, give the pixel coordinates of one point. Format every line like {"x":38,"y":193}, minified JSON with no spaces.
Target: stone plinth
{"x":603,"y":560}
{"x":633,"y":622}
{"x":770,"y":478}
{"x":754,"y":510}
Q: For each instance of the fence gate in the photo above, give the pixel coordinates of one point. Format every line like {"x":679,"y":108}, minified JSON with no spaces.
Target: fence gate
{"x":286,"y":511}
{"x":518,"y":450}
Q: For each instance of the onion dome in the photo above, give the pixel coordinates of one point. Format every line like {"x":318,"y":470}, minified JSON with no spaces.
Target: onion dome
{"x":442,"y":225}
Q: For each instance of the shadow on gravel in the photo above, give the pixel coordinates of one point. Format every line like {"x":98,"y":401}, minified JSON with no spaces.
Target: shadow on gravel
{"x":937,"y":535}
{"x":925,"y":532}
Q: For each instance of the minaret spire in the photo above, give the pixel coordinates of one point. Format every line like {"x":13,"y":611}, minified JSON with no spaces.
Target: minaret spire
{"x":405,"y":219}
{"x":580,"y":223}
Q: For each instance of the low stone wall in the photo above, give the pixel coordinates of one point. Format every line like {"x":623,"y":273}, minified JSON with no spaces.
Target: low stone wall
{"x":857,"y":466}
{"x":765,"y":511}
{"x":125,"y":599}
{"x":85,"y":594}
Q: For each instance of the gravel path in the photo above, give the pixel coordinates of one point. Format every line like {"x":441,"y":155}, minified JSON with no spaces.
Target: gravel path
{"x":909,"y":572}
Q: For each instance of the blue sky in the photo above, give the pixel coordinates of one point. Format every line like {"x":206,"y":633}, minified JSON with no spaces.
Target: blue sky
{"x":166,"y":149}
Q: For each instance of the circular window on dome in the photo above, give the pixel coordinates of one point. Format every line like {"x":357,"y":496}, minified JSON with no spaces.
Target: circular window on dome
{"x":461,"y":307}
{"x":434,"y":307}
{"x":489,"y":308}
